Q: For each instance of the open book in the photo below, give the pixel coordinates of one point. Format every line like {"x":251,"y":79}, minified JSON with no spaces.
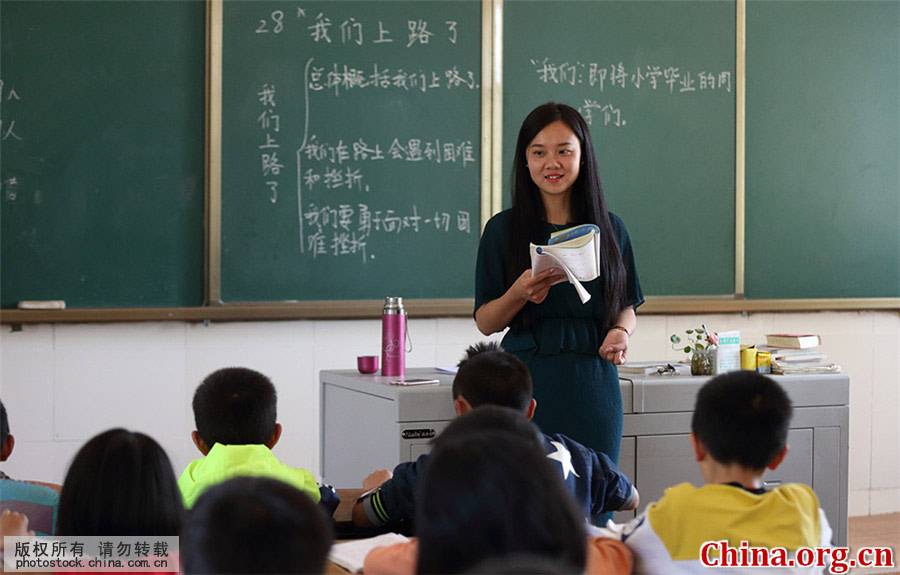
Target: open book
{"x":352,"y":554}
{"x":576,"y":251}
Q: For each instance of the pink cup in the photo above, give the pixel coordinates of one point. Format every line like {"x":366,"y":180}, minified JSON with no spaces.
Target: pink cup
{"x":367,"y":363}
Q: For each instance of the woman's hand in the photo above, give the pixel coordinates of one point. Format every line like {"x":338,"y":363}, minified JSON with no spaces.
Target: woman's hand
{"x":496,"y":315}
{"x":615,"y":347}
{"x":535,"y":288}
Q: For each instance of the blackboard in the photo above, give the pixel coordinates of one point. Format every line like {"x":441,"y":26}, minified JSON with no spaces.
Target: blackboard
{"x":823,"y":149}
{"x":102,"y":133}
{"x":656,"y":80}
{"x":102,"y":152}
{"x":351,"y":149}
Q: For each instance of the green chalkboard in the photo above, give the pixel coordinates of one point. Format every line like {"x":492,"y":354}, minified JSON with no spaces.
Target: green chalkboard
{"x":823,"y":149}
{"x":656,"y":79}
{"x":101,"y":152}
{"x":351,"y":149}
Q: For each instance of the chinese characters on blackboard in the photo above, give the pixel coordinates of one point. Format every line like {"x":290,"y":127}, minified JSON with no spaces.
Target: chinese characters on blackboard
{"x":341,"y":207}
{"x":610,"y":78}
{"x":9,"y":131}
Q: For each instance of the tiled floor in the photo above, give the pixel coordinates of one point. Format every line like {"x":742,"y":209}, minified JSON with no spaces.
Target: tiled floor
{"x":875,"y":531}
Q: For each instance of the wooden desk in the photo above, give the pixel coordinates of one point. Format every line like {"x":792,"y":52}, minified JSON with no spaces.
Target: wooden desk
{"x":344,"y":512}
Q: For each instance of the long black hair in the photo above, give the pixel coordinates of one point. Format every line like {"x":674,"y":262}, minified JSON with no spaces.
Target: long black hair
{"x":587,"y":206}
{"x":120,"y":483}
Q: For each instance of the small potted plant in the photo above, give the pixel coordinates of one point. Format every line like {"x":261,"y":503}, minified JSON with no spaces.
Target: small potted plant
{"x":701,"y":346}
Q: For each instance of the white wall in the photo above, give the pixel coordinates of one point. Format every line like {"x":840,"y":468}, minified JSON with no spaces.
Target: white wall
{"x":62,"y":384}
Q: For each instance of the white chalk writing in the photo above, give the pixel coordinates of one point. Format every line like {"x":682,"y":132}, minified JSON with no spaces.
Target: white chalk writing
{"x":8,"y":126}
{"x":435,"y":150}
{"x":321,"y":30}
{"x":615,"y":77}
{"x":345,"y":229}
{"x":339,"y":78}
{"x":344,"y":200}
{"x":269,"y":122}
{"x":612,"y":76}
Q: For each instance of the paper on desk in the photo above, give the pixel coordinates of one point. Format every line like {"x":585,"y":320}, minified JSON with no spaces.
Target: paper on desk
{"x":352,"y":554}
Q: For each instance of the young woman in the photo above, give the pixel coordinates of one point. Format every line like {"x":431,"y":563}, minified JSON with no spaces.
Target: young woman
{"x":571,"y":348}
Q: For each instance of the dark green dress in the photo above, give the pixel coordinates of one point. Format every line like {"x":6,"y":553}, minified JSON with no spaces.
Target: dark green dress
{"x":577,"y":391}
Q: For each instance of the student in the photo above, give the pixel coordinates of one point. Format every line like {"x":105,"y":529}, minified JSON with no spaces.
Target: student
{"x":490,"y":376}
{"x":255,"y":525}
{"x":488,"y":492}
{"x":235,"y":411}
{"x":739,"y":429}
{"x":37,"y":501}
{"x":120,"y":483}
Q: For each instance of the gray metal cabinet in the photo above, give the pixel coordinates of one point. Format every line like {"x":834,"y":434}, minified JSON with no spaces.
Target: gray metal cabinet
{"x":656,"y":452}
{"x":368,"y":424}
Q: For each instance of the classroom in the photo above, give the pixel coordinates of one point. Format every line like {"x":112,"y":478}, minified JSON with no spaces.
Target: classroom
{"x":246,"y":188}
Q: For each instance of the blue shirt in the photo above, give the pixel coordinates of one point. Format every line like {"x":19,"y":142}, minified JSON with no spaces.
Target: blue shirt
{"x":595,"y":481}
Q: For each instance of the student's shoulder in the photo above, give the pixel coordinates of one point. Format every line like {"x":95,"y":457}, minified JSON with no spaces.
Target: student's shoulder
{"x":581,"y":457}
{"x":571,"y":445}
{"x":677,"y":499}
{"x":565,"y":440}
{"x":798,"y":493}
{"x":34,"y":491}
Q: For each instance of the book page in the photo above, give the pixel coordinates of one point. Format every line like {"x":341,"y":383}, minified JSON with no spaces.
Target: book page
{"x":580,"y":261}
{"x":544,"y":261}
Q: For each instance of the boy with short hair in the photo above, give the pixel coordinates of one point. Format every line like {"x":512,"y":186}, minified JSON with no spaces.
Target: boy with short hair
{"x":255,"y":525}
{"x":38,"y":501}
{"x":488,"y":375}
{"x":235,"y":411}
{"x":739,"y":429}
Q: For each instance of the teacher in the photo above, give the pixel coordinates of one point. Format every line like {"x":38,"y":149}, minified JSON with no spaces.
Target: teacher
{"x":571,"y":348}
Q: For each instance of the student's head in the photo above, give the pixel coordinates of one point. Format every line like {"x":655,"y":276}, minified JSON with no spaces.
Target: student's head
{"x":742,"y":417}
{"x":489,"y":376}
{"x":235,"y":406}
{"x":255,"y":525}
{"x":492,"y":493}
{"x":7,"y":441}
{"x":120,"y":483}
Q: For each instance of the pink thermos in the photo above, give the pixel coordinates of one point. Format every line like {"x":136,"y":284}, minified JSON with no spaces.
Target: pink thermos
{"x":393,"y":338}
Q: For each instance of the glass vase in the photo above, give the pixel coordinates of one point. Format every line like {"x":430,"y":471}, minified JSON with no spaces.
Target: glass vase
{"x":701,"y":362}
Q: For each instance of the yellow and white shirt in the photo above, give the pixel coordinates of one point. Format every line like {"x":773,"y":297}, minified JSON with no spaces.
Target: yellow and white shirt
{"x":669,"y":535}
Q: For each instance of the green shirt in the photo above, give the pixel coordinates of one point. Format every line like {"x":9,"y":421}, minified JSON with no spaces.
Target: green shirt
{"x":224,"y":462}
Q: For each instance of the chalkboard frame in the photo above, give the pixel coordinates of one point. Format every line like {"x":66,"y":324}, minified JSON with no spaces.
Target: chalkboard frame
{"x":491,"y":202}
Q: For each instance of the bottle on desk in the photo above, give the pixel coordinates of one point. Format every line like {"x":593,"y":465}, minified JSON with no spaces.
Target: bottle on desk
{"x":393,"y":338}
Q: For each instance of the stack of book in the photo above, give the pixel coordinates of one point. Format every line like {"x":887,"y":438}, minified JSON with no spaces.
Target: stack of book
{"x":797,"y":354}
